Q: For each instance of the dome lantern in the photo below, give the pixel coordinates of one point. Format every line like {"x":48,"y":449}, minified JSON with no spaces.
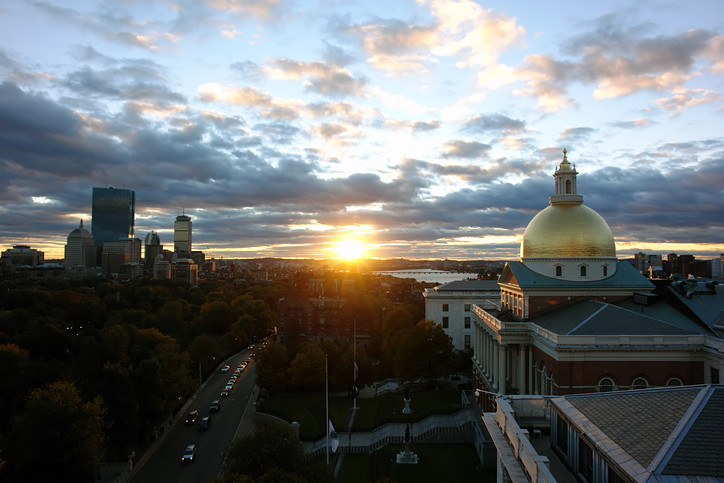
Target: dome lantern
{"x":566,"y":189}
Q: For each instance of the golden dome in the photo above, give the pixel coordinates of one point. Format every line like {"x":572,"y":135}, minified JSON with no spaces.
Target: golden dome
{"x":567,"y":230}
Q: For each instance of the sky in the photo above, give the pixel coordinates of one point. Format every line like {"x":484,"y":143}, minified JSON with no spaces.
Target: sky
{"x":416,"y":129}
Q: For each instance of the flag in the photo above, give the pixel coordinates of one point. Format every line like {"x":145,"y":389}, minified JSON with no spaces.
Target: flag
{"x":356,"y":371}
{"x":333,"y":437}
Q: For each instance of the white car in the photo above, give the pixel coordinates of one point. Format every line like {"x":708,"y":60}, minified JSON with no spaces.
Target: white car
{"x":225,"y":368}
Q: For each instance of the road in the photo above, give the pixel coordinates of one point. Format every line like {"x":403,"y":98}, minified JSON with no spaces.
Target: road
{"x":164,"y":464}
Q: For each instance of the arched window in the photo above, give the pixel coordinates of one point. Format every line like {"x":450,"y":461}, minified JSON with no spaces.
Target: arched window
{"x":639,"y":383}
{"x":674,"y":381}
{"x":605,"y":270}
{"x":606,"y":385}
{"x":568,"y":186}
{"x":583,"y":270}
{"x":559,"y":271}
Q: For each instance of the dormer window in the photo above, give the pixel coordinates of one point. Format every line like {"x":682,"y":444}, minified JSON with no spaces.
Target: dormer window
{"x":559,"y":271}
{"x":605,"y":270}
{"x":583,"y":270}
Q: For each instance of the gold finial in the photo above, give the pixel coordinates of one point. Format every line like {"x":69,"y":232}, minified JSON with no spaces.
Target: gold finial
{"x":564,"y":154}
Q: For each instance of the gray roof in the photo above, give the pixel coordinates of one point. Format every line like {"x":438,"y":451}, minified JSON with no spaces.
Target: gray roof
{"x":470,"y":285}
{"x":626,"y":277}
{"x":673,"y":431}
{"x":704,"y":298}
{"x":590,"y":317}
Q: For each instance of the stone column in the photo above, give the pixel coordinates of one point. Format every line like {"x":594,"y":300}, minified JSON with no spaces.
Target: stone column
{"x":502,"y":354}
{"x":521,"y":369}
{"x":530,"y":369}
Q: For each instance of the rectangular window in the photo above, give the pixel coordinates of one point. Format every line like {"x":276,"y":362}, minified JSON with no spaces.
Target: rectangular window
{"x":585,"y":460}
{"x":445,"y":307}
{"x":467,"y":322}
{"x":467,"y":307}
{"x":562,"y":434}
{"x":467,"y":341}
{"x":445,"y":322}
{"x":714,"y":376}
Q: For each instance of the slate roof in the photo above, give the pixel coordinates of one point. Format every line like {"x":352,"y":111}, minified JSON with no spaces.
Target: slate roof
{"x":591,"y":317}
{"x":626,"y":277}
{"x":704,"y":298}
{"x":674,"y":431}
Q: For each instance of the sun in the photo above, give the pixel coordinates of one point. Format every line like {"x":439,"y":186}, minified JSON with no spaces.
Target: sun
{"x":349,"y":249}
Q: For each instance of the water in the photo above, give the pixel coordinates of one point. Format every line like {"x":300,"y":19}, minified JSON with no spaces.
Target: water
{"x":429,"y":275}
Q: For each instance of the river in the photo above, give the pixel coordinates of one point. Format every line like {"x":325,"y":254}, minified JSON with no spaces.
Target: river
{"x":429,"y":275}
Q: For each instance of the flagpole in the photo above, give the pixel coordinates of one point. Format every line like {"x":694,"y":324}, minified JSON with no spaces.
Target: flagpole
{"x":326,"y":396}
{"x":354,"y":370}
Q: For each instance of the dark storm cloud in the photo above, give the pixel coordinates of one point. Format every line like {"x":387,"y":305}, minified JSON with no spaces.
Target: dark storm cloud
{"x":493,"y":122}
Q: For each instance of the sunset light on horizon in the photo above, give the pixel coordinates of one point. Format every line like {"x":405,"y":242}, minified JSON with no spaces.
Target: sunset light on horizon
{"x":425,"y":129}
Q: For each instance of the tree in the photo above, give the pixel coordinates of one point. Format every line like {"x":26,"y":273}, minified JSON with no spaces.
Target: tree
{"x":272,"y":453}
{"x":307,"y":368}
{"x":425,"y":352}
{"x":271,"y":372}
{"x":57,"y":437}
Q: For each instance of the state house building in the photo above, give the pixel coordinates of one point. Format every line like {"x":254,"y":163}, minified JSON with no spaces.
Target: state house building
{"x":573,"y":319}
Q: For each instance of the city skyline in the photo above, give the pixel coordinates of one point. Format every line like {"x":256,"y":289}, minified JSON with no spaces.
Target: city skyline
{"x":417,"y":130}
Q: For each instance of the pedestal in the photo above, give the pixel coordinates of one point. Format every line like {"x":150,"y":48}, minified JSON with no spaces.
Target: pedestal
{"x":407,"y":409}
{"x":407,"y":457}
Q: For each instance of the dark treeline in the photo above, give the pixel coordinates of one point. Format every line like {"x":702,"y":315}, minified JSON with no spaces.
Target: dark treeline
{"x":89,"y":371}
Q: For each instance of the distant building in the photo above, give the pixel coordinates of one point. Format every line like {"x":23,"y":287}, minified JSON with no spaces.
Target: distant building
{"x":113,"y":215}
{"x":118,"y":253}
{"x":182,"y":236}
{"x":152,"y":248}
{"x":23,"y":256}
{"x":185,"y":270}
{"x":161,"y":268}
{"x":717,"y":267}
{"x":450,"y":306}
{"x":80,"y":249}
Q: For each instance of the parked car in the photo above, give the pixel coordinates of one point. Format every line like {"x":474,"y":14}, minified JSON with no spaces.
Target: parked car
{"x":229,"y":387}
{"x":214,"y":406}
{"x":205,"y":423}
{"x":225,"y":368}
{"x":189,"y":454}
{"x":225,"y":393}
{"x":191,"y":417}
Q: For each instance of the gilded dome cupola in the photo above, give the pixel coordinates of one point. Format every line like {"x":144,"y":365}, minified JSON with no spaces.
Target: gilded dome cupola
{"x":568,"y":232}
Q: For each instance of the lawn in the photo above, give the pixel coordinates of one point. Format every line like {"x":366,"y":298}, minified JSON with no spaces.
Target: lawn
{"x":308,"y":409}
{"x":437,"y":462}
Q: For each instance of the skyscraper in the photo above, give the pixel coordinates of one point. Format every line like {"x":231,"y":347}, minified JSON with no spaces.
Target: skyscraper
{"x":80,"y":249}
{"x":113,"y":215}
{"x":153,"y":249}
{"x":182,"y":235}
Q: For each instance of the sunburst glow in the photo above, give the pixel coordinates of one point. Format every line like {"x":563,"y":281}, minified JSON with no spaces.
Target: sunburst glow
{"x":349,"y":249}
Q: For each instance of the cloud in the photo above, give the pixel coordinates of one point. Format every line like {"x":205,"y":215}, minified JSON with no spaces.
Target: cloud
{"x":260,"y":9}
{"x":464,"y":149}
{"x":575,"y":135}
{"x":618,"y":60}
{"x":493,"y":122}
{"x":323,"y":78}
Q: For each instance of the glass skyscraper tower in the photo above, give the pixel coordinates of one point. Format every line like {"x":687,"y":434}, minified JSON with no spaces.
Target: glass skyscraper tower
{"x":113,"y":215}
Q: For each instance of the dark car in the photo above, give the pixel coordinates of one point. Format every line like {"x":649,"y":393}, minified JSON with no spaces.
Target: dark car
{"x":225,"y":393}
{"x":189,"y":454}
{"x":214,"y":406}
{"x":192,"y":417}
{"x":205,"y":423}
